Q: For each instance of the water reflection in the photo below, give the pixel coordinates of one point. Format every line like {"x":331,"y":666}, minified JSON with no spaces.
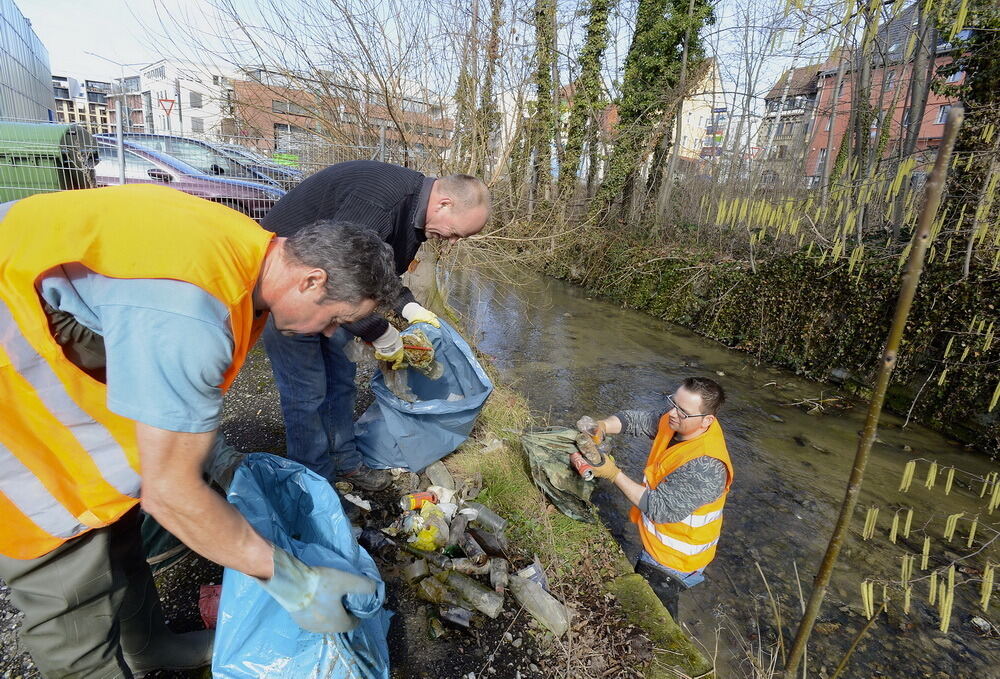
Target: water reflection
{"x":571,"y":355}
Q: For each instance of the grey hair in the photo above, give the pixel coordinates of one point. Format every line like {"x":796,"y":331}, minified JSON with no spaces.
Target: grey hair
{"x":467,"y":191}
{"x":358,"y":264}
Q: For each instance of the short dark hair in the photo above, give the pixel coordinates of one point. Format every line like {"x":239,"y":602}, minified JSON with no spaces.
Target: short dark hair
{"x":467,"y":191}
{"x":712,"y":395}
{"x":358,"y":264}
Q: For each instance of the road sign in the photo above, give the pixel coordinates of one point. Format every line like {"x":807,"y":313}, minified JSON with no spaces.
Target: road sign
{"x":167,"y":105}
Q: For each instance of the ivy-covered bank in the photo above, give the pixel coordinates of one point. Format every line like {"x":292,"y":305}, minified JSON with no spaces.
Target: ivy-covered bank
{"x":825,"y":320}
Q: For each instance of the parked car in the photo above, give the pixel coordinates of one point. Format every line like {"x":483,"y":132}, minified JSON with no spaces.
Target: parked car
{"x":286,"y":177}
{"x":148,"y":166}
{"x":201,"y":155}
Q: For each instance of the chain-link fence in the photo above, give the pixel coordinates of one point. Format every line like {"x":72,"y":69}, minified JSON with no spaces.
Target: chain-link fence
{"x":249,"y":174}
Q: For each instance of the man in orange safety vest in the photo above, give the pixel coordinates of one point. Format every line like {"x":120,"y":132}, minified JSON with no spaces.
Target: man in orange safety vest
{"x":677,"y":508}
{"x":125,"y":314}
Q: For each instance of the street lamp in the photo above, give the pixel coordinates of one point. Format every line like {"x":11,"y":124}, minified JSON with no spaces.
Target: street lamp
{"x":118,"y":111}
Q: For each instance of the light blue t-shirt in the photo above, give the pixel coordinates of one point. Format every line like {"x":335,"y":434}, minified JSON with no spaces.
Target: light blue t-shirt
{"x":168,"y":344}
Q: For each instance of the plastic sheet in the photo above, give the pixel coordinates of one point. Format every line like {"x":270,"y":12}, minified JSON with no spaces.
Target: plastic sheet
{"x":395,"y":433}
{"x":299,"y":512}
{"x":548,"y":450}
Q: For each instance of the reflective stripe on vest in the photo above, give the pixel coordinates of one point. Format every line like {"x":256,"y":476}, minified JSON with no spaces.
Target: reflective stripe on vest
{"x":672,"y":543}
{"x":688,"y":544}
{"x":69,"y":464}
{"x":108,"y":456}
{"x":27,"y":493}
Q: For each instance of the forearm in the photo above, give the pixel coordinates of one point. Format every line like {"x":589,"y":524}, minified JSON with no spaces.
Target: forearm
{"x":174,"y":493}
{"x":632,"y":490}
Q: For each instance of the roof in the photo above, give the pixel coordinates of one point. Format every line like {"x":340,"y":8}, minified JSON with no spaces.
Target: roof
{"x":803,"y":82}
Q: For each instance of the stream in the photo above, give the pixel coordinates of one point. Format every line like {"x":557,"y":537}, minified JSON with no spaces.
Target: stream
{"x":792,"y":442}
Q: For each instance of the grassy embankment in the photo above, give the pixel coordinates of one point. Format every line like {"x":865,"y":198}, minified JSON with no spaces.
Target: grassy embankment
{"x":582,"y":560}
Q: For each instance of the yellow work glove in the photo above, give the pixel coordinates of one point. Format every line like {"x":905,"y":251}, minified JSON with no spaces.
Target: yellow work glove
{"x":414,"y":313}
{"x":608,"y":469}
{"x":389,"y":348}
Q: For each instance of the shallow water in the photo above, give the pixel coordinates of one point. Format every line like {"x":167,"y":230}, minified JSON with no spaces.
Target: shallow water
{"x":571,"y":355}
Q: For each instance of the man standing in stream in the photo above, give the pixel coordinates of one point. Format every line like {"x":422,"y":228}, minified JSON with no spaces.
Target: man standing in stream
{"x":678,"y":506}
{"x":315,"y":378}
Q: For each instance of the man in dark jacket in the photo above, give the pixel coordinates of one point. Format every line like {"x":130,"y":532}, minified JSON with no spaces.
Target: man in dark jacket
{"x":314,"y":377}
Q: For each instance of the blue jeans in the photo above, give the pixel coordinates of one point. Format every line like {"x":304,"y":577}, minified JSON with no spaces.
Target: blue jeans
{"x":316,"y":383}
{"x":689,"y":580}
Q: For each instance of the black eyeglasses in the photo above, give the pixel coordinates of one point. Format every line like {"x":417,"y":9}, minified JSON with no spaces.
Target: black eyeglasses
{"x":680,"y":411}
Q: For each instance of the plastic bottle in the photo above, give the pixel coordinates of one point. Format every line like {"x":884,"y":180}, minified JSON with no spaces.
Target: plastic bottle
{"x":483,"y":599}
{"x":499,"y":575}
{"x":542,"y":605}
{"x":487,"y":518}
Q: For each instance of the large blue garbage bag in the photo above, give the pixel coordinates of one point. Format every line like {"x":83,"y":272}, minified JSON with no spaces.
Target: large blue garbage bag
{"x":395,"y":433}
{"x":299,"y":512}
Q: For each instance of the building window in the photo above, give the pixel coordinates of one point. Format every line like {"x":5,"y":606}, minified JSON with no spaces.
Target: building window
{"x":956,"y":77}
{"x":194,"y":99}
{"x":197,"y":125}
{"x":829,"y":122}
{"x":890,"y":80}
{"x":821,"y":163}
{"x":840,"y":90}
{"x":782,"y":151}
{"x":905,"y":120}
{"x":943,"y":114}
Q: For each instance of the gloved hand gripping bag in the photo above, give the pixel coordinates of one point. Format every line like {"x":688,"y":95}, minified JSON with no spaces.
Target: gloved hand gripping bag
{"x":396,"y":433}
{"x":298,"y":511}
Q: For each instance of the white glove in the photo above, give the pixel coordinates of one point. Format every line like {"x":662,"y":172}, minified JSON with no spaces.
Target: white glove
{"x":414,"y":313}
{"x":314,"y":595}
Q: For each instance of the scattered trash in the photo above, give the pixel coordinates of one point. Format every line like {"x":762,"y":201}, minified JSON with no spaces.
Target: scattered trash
{"x":416,"y":500}
{"x":456,"y":615}
{"x":499,"y":575}
{"x":483,"y":599}
{"x":536,"y":573}
{"x":440,"y":476}
{"x":486,"y":517}
{"x":416,"y":571}
{"x":543,"y":606}
{"x":443,"y":495}
{"x":473,"y":550}
{"x":358,"y":502}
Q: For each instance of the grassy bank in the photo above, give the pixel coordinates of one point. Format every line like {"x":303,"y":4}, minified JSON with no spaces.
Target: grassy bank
{"x":617,"y":619}
{"x":823,"y":319}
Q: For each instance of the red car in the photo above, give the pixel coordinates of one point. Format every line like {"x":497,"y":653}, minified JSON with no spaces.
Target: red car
{"x":146,"y":166}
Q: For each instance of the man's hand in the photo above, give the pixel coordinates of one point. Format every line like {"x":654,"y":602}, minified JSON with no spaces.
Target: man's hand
{"x":596,"y":429}
{"x":174,"y":493}
{"x":389,"y":348}
{"x":607,"y":469}
{"x":314,"y":595}
{"x":414,"y":313}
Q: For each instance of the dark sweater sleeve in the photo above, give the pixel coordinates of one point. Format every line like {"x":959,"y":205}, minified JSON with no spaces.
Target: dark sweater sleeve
{"x":369,"y":328}
{"x":693,"y":484}
{"x":405,"y":297}
{"x":640,"y":422}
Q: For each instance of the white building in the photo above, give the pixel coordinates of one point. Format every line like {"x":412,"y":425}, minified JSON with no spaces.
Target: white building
{"x":186,"y":98}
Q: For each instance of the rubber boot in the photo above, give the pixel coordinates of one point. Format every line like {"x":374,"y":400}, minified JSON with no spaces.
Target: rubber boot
{"x":146,"y":641}
{"x":666,"y":587}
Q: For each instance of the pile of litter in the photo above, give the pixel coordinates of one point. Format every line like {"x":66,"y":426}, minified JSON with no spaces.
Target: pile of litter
{"x":452,"y":551}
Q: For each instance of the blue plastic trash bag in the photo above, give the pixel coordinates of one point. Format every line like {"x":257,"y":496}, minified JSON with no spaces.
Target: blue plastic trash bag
{"x":298,"y":511}
{"x":394,"y":433}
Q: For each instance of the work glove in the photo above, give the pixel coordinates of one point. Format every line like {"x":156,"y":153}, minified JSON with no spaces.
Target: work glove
{"x":596,"y":429}
{"x":607,"y":469}
{"x":414,"y":313}
{"x":222,"y":461}
{"x":314,"y":595}
{"x":389,"y":348}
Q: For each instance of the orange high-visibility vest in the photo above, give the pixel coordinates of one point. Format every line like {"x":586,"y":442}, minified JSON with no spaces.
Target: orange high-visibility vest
{"x":688,"y":544}
{"x":67,"y":463}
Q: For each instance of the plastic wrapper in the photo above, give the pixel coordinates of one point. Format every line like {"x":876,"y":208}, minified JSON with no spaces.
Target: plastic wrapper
{"x":412,"y":435}
{"x":297,"y":511}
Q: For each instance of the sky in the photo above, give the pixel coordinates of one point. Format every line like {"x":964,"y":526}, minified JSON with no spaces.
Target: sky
{"x":109,"y":28}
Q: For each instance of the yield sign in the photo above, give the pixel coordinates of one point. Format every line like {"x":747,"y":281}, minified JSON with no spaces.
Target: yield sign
{"x":167,"y":105}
